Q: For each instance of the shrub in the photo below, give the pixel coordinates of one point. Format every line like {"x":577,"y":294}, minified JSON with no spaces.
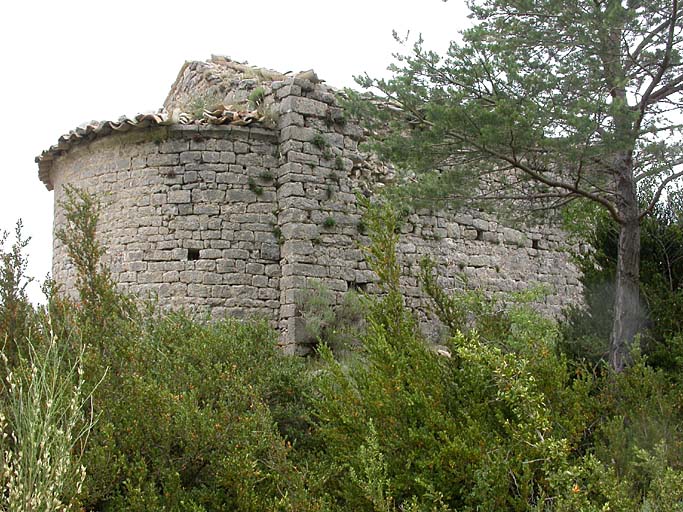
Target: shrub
{"x":463,"y":432}
{"x":194,"y":416}
{"x":256,"y":98}
{"x":17,"y":318}
{"x":336,"y":325}
{"x":43,"y":428}
{"x":320,"y":142}
{"x":198,"y":415}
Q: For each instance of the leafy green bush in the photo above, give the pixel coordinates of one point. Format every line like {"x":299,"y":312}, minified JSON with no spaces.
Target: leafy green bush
{"x":405,"y":427}
{"x":193,"y":416}
{"x":17,"y":318}
{"x":336,"y":325}
{"x":198,"y":417}
{"x":587,"y":330}
{"x":503,"y":421}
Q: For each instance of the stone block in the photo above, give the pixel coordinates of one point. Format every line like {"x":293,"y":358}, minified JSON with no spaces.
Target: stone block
{"x":294,"y":230}
{"x":211,"y":278}
{"x":237,"y":254}
{"x":302,"y":158}
{"x":290,"y":189}
{"x":305,"y":106}
{"x":190,"y":157}
{"x":305,"y":270}
{"x":259,"y":282}
{"x":210,"y":253}
{"x":179,"y":196}
{"x":227,"y":157}
{"x":240,"y":147}
{"x":211,"y":157}
{"x":162,"y":159}
{"x":270,"y":252}
{"x":174,"y":146}
{"x":288,"y":90}
{"x":191,"y":276}
{"x":255,"y":268}
{"x":240,"y":196}
{"x":290,"y":119}
{"x":198,"y":290}
{"x":300,"y":134}
{"x":250,"y":159}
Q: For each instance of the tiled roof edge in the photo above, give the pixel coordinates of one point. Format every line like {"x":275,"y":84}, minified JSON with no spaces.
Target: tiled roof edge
{"x":96,"y":129}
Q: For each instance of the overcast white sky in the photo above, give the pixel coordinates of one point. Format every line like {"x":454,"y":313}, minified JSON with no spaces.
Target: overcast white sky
{"x":67,"y":62}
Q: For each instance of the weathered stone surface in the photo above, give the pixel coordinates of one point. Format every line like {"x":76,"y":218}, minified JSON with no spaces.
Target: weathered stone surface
{"x":243,"y":220}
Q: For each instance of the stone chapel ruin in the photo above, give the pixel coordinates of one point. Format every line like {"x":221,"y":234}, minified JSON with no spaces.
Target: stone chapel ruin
{"x":241,"y":191}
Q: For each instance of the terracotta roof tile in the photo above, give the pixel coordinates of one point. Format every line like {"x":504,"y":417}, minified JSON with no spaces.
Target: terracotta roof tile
{"x":96,"y":129}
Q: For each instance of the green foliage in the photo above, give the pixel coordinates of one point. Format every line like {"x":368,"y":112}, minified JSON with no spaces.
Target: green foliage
{"x":198,"y":417}
{"x":254,"y":187}
{"x":329,"y":222}
{"x":661,"y":279}
{"x":539,"y":104}
{"x":320,"y":142}
{"x":256,"y":98}
{"x":16,"y":313}
{"x":337,"y":326}
{"x":470,"y":430}
{"x":45,"y":419}
{"x":267,"y":175}
{"x":499,"y":421}
{"x":525,"y":89}
{"x":193,"y":416}
{"x":100,"y":304}
{"x":198,"y":104}
{"x":277,"y":233}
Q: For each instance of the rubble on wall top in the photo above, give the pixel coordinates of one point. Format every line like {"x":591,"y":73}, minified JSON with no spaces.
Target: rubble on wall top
{"x":221,"y":80}
{"x":193,"y":99}
{"x":219,"y":91}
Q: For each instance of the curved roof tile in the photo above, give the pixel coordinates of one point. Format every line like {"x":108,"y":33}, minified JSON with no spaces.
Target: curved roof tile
{"x":96,"y":129}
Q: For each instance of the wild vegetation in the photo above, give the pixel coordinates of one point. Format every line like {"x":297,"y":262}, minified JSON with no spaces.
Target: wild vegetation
{"x":546,"y":101}
{"x":109,"y":405}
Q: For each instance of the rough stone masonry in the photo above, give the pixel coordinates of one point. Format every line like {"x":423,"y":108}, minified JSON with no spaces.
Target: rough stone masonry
{"x":242,"y":192}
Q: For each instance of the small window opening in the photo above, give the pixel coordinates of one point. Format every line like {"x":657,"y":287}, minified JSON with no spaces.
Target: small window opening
{"x":357,"y":287}
{"x":192,"y":254}
{"x":534,"y":244}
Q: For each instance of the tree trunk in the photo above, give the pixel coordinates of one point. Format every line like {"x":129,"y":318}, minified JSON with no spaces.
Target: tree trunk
{"x":627,"y":313}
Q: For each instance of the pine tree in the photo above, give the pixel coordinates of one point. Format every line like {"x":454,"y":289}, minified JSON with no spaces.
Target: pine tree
{"x":551,"y":101}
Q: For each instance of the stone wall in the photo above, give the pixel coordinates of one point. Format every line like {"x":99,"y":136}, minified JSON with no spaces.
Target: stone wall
{"x":234,"y":220}
{"x":188,"y":214}
{"x":321,"y":169}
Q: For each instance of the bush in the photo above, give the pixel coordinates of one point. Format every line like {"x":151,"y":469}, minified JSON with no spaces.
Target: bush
{"x":587,"y":330}
{"x":194,"y":416}
{"x":336,"y":325}
{"x":198,"y":417}
{"x":43,"y":428}
{"x":468,"y":431}
{"x":17,"y":318}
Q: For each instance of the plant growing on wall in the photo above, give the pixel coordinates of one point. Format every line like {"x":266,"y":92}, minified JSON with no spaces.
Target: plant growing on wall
{"x":256,"y":98}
